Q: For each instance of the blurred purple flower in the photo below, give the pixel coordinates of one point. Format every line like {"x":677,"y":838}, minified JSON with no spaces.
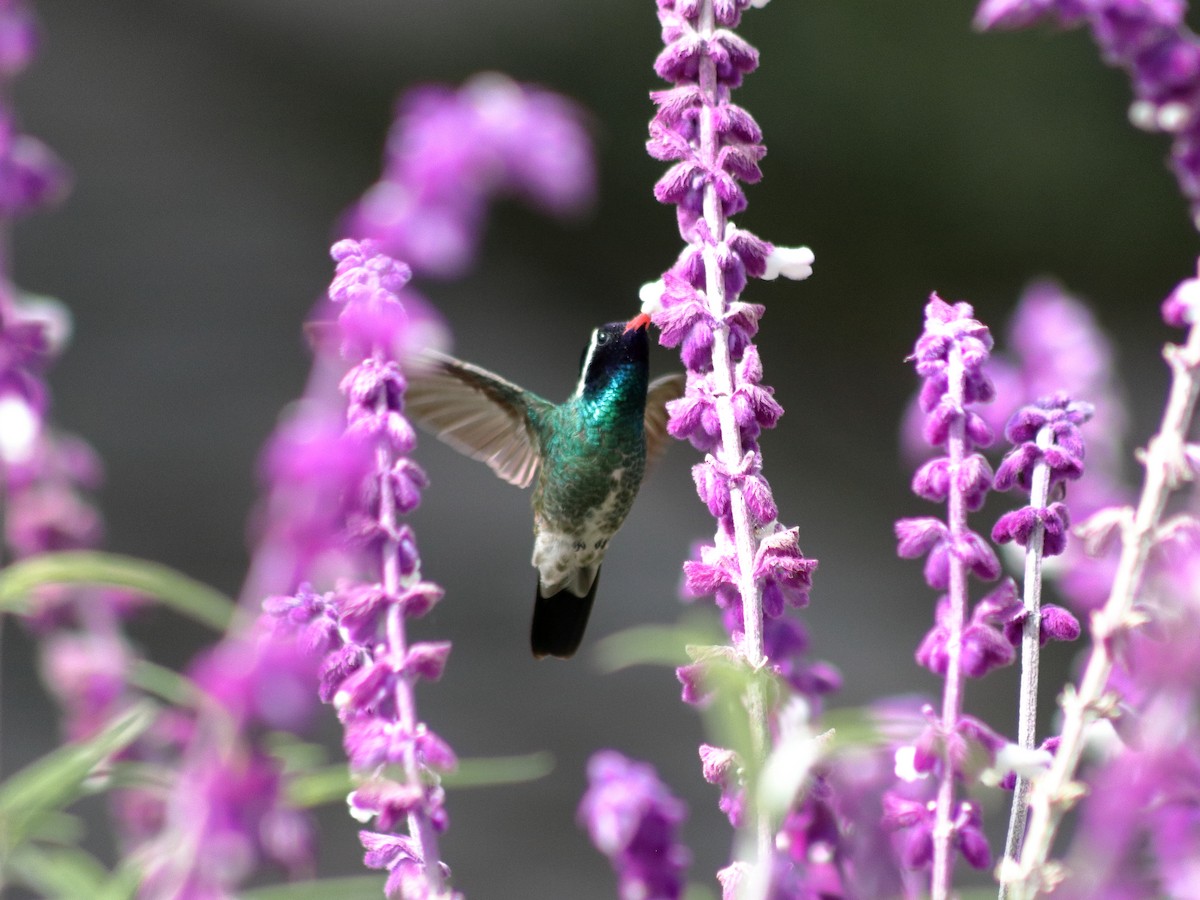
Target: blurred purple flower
{"x":370,"y":667}
{"x":235,"y":816}
{"x":31,"y":175}
{"x":18,"y":37}
{"x":812,"y":860}
{"x":1151,"y":41}
{"x":87,"y":671}
{"x":1180,"y":307}
{"x":46,"y":474}
{"x":451,"y":151}
{"x":1140,"y":823}
{"x":633,"y":819}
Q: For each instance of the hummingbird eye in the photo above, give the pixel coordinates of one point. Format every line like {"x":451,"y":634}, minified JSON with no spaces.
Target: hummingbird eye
{"x":602,"y":338}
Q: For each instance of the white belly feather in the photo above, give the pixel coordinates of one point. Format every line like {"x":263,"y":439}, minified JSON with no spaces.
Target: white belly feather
{"x":570,"y":558}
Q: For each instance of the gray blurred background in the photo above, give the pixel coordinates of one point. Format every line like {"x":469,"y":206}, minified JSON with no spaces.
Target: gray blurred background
{"x":214,"y":143}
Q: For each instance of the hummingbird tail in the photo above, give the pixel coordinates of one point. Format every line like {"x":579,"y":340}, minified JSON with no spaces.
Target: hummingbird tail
{"x":559,"y":621}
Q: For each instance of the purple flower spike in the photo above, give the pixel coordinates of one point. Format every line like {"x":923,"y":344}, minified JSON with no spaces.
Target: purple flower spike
{"x":1047,"y":440}
{"x":450,"y":152}
{"x":633,"y":819}
{"x":370,"y":667}
{"x":1048,"y":451}
{"x":754,"y":568}
{"x":950,"y":356}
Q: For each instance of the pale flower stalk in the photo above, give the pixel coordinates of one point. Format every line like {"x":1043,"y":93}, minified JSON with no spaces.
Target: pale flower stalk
{"x":1168,"y":465}
{"x":713,"y":146}
{"x":1048,"y":452}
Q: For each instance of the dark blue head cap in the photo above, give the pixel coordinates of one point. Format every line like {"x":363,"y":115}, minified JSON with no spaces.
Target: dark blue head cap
{"x":615,"y":346}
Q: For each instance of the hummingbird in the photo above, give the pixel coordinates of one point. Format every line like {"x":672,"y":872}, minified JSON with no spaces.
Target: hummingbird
{"x":585,"y":457}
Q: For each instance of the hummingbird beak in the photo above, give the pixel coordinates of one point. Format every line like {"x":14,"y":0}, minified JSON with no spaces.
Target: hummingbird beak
{"x":641,"y":320}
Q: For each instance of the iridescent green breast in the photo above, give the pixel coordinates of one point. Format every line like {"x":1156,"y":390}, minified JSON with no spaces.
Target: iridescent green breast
{"x":593,"y":453}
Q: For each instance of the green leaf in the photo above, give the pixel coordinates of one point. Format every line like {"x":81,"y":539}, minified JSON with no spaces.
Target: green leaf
{"x":57,"y":827}
{"x":496,"y":770}
{"x":165,"y":683}
{"x":855,"y":727}
{"x":59,"y":777}
{"x":661,"y":645}
{"x":295,"y":755}
{"x":360,"y":887}
{"x":68,"y":873}
{"x":141,"y":776}
{"x":173,"y":589}
{"x":328,"y":784}
{"x":331,"y":784}
{"x":123,"y":884}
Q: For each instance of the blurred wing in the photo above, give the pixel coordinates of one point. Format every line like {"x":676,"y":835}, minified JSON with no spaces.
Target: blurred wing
{"x":669,"y":387}
{"x":476,"y":413}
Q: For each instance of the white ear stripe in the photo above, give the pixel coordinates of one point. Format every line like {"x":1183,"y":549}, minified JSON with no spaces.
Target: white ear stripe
{"x":587,"y":362}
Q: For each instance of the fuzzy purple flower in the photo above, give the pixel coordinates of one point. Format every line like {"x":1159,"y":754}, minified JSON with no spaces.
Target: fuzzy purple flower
{"x":633,"y":819}
{"x":1059,"y":418}
{"x":1046,"y":439}
{"x":451,"y":151}
{"x":31,"y":175}
{"x":1047,"y":452}
{"x":45,"y":473}
{"x":1002,"y":609}
{"x":87,"y":671}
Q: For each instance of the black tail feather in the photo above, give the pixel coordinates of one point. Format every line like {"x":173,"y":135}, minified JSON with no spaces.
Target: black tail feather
{"x":559,"y":622}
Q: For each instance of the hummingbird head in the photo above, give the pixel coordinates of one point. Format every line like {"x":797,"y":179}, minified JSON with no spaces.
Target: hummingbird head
{"x":614,"y":348}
